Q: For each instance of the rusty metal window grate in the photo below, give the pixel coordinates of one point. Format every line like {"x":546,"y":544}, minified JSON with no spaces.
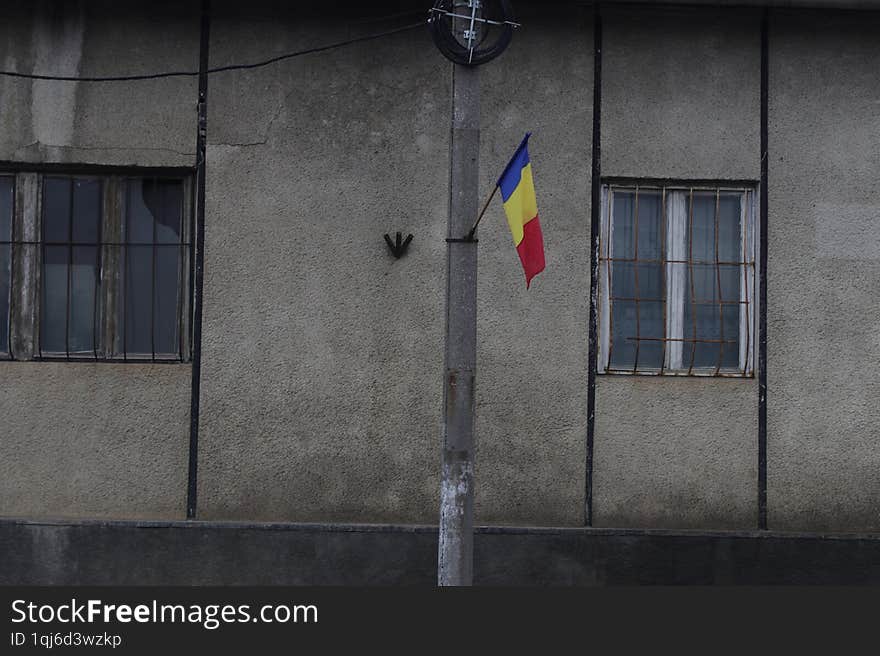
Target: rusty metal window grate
{"x":95,"y":267}
{"x":677,"y":280}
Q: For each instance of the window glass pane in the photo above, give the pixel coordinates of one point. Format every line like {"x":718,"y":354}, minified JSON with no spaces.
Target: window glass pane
{"x":730,"y":358}
{"x":6,"y":189}
{"x":138,"y":306}
{"x":152,"y":276}
{"x":86,"y":211}
{"x":83,"y":289}
{"x":623,"y":332}
{"x":705,"y":308}
{"x":650,"y":282}
{"x":702,"y":321}
{"x":168,"y":220}
{"x":154,"y":211}
{"x":651,"y":325}
{"x":646,"y":333}
{"x":702,"y":283}
{"x":53,"y":318}
{"x":623,"y":280}
{"x":649,"y":224}
{"x":730,"y":279}
{"x":5,"y":263}
{"x":648,"y":285}
{"x":701,"y":227}
{"x":707,"y":278}
{"x":167,"y":291}
{"x":139,"y":219}
{"x":56,"y":209}
{"x":730,"y":227}
{"x":623,"y":225}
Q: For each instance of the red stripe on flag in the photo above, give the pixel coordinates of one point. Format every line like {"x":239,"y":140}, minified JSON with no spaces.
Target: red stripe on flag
{"x":531,"y":250}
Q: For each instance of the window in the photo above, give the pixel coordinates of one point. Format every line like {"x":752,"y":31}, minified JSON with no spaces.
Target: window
{"x":6,"y":209}
{"x":104,"y":265}
{"x":677,"y":276}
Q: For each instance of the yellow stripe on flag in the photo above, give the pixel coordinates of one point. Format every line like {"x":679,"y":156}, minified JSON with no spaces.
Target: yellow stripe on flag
{"x":521,"y":207}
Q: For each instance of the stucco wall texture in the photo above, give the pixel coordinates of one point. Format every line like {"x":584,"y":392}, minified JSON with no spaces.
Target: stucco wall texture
{"x":824,"y":274}
{"x":93,"y":439}
{"x":680,"y":100}
{"x":323,"y":356}
{"x":96,"y":440}
{"x":148,"y":123}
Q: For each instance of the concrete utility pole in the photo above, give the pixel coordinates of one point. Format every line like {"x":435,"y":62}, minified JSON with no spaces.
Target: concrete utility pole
{"x":468,"y":36}
{"x":456,"y":544}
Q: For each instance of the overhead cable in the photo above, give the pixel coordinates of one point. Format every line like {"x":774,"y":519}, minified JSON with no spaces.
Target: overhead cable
{"x":218,"y":69}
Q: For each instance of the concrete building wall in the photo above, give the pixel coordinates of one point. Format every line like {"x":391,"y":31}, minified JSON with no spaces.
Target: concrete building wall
{"x":323,"y":356}
{"x":96,"y":440}
{"x":680,"y":100}
{"x":93,"y":439}
{"x":824,"y":273}
{"x":532,"y":344}
{"x":146,"y":123}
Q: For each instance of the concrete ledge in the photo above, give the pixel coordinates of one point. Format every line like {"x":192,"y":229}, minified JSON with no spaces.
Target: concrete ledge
{"x":64,"y":552}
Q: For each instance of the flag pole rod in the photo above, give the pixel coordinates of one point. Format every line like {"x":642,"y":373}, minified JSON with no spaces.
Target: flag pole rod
{"x":470,"y":235}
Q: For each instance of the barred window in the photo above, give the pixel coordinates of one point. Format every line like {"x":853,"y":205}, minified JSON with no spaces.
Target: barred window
{"x":153,"y":253}
{"x":677,"y":280}
{"x":6,"y":208}
{"x":71,"y":266}
{"x":99,"y":267}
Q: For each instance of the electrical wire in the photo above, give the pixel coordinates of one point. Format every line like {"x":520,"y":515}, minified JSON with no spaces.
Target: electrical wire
{"x":218,"y":69}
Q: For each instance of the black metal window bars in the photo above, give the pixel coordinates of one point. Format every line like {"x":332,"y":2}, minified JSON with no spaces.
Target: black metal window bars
{"x":154,"y":242}
{"x":7,"y":236}
{"x":677,"y":279}
{"x":114,"y":254}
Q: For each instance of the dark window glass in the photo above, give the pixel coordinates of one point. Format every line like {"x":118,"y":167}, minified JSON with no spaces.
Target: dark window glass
{"x":637,"y":287}
{"x":151,"y":311}
{"x":6,"y":196}
{"x":53,"y":319}
{"x":711,"y":311}
{"x":57,"y":199}
{"x":71,"y":265}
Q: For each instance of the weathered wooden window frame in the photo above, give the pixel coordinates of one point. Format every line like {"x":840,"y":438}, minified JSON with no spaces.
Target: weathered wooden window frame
{"x":27,"y":254}
{"x":675,"y":249}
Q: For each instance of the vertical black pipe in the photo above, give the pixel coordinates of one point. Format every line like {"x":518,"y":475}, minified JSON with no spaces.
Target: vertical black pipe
{"x":595,"y":207}
{"x":155,"y":181}
{"x":199,"y":246}
{"x":762,"y":268}
{"x":72,"y":183}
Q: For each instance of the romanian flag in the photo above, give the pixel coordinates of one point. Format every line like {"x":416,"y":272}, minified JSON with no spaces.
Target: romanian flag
{"x":518,"y":194}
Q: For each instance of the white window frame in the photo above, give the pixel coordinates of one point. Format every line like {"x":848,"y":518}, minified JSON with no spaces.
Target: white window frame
{"x":674,"y":197}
